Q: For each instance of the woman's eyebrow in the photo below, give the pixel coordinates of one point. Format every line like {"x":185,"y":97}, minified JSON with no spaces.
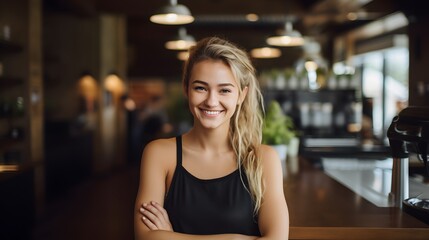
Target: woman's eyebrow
{"x":206,"y":84}
{"x":199,"y":82}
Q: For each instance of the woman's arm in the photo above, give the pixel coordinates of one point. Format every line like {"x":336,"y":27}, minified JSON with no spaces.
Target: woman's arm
{"x":152,"y":188}
{"x":161,"y":235}
{"x":156,"y":219}
{"x":273,"y":214}
{"x":153,"y":175}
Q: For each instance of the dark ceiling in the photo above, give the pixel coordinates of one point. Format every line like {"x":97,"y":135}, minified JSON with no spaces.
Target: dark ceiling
{"x":320,"y":19}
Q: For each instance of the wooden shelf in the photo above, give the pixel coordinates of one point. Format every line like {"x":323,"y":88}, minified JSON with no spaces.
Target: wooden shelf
{"x":7,"y":171}
{"x":16,"y":167}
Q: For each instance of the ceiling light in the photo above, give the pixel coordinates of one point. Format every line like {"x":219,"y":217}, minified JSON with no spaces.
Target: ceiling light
{"x":182,"y":41}
{"x":251,"y":17}
{"x":287,"y":38}
{"x":265,"y":52}
{"x":172,"y":14}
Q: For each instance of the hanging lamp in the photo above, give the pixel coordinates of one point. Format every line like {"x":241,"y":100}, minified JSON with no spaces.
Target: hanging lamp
{"x":265,"y":52}
{"x":287,"y":37}
{"x":182,"y":41}
{"x":172,"y":14}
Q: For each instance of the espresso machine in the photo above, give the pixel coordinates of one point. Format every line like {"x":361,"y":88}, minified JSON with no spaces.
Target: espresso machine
{"x":409,"y":135}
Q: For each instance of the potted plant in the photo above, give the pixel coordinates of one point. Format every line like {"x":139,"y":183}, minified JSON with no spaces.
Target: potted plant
{"x":279,"y":131}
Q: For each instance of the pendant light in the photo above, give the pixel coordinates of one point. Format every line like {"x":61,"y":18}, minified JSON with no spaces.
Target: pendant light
{"x":182,"y":41}
{"x":265,"y":52}
{"x":287,"y":38}
{"x":172,"y":14}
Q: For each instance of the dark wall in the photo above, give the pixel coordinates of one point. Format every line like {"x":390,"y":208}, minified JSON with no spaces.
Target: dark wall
{"x":70,"y":48}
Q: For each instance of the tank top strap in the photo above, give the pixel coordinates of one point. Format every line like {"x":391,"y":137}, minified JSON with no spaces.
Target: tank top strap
{"x":179,"y":150}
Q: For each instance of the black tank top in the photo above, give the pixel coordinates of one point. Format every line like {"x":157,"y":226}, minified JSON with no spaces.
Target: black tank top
{"x":212,"y":206}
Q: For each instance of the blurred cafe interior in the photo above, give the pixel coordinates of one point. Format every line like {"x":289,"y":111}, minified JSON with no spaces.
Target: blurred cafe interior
{"x":85,"y":84}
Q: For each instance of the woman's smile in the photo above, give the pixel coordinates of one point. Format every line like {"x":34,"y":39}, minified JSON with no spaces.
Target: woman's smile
{"x":211,"y":113}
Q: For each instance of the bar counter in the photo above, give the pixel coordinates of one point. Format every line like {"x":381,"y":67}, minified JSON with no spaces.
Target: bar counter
{"x":322,"y":208}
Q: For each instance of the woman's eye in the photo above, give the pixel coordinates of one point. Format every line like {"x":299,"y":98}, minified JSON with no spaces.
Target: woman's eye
{"x":199,"y":88}
{"x":225,"y":90}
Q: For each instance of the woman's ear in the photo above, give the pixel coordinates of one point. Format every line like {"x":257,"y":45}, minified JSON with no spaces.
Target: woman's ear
{"x":243,"y":95}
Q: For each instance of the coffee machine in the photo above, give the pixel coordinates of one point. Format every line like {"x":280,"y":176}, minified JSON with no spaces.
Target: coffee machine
{"x":409,"y":134}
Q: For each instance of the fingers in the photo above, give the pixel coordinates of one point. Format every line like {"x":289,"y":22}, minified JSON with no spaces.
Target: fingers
{"x":151,"y":213}
{"x":148,"y":218}
{"x":148,"y":223}
{"x":160,"y":209}
{"x":155,"y":216}
{"x":152,"y":210}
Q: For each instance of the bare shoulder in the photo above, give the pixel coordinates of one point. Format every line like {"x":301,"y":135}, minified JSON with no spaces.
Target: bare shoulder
{"x":161,"y":151}
{"x":270,"y":159}
{"x":161,"y":144}
{"x":268,"y":153}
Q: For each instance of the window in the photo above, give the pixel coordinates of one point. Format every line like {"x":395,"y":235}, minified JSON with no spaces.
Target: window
{"x":384,"y":86}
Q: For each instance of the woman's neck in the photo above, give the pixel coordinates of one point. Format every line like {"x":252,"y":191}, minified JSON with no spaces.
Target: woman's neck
{"x":208,"y":139}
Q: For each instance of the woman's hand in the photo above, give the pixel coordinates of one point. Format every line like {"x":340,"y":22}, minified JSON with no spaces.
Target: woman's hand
{"x":155,"y":217}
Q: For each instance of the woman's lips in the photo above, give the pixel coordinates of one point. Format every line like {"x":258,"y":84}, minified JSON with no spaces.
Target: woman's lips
{"x":211,"y":112}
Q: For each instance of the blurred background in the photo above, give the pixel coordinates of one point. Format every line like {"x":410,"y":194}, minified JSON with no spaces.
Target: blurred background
{"x":85,"y":84}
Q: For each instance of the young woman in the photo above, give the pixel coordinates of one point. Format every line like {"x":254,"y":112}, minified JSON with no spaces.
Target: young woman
{"x":216,"y":181}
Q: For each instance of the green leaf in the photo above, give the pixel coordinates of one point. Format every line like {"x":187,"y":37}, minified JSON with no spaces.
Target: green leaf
{"x":278,"y":128}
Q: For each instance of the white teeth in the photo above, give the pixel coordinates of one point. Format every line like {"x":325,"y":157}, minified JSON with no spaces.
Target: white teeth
{"x":212,"y":112}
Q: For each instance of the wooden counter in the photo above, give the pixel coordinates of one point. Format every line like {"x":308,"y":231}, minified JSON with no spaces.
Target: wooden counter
{"x":322,"y":208}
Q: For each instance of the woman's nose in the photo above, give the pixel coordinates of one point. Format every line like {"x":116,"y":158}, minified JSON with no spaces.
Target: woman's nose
{"x":212,"y":99}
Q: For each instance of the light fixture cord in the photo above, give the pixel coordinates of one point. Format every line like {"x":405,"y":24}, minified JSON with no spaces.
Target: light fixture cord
{"x":288,"y":27}
{"x":182,"y":32}
{"x":173,"y":2}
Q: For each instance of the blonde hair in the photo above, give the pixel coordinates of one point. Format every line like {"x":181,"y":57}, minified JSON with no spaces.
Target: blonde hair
{"x":246,"y":126}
